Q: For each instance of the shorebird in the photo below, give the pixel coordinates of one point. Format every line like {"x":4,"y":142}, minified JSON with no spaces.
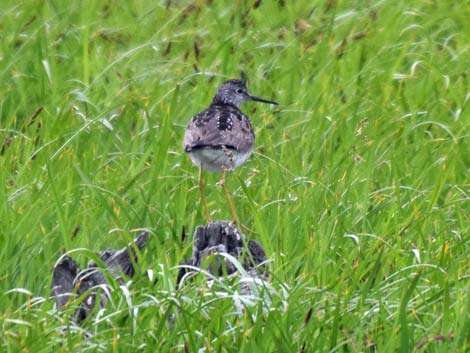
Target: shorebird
{"x":221,"y":137}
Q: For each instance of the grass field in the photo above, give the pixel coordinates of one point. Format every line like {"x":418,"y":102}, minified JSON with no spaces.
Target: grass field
{"x":358,"y":189}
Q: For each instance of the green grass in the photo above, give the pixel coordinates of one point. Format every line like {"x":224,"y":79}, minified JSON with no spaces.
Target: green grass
{"x":358,"y":189}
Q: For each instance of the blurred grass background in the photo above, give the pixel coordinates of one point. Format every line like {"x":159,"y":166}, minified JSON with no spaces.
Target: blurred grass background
{"x":358,"y":189}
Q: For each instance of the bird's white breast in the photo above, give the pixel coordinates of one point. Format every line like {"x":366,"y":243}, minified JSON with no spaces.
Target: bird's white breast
{"x":217,"y":160}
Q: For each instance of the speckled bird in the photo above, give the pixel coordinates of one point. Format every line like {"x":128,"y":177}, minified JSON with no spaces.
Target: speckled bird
{"x":221,"y":137}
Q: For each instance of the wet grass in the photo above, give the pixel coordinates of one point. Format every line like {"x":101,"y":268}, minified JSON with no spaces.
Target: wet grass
{"x":358,"y":188}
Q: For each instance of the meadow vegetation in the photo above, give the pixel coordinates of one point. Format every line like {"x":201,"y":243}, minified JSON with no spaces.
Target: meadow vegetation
{"x":358,"y":188}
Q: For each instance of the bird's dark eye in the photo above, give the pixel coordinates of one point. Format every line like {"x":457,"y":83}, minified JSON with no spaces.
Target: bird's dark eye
{"x":239,"y":90}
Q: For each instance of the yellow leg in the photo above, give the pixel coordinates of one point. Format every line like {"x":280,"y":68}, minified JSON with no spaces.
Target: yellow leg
{"x":203,"y":196}
{"x":229,"y":199}
{"x":235,"y":219}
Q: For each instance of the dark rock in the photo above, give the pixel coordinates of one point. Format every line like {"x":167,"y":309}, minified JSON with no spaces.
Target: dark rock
{"x":63,"y":280}
{"x":70,"y":282}
{"x":220,"y":237}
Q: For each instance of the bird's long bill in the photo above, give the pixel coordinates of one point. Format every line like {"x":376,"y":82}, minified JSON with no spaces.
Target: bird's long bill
{"x":258,"y":99}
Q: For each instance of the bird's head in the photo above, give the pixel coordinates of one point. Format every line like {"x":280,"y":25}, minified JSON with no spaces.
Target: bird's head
{"x":235,"y":92}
